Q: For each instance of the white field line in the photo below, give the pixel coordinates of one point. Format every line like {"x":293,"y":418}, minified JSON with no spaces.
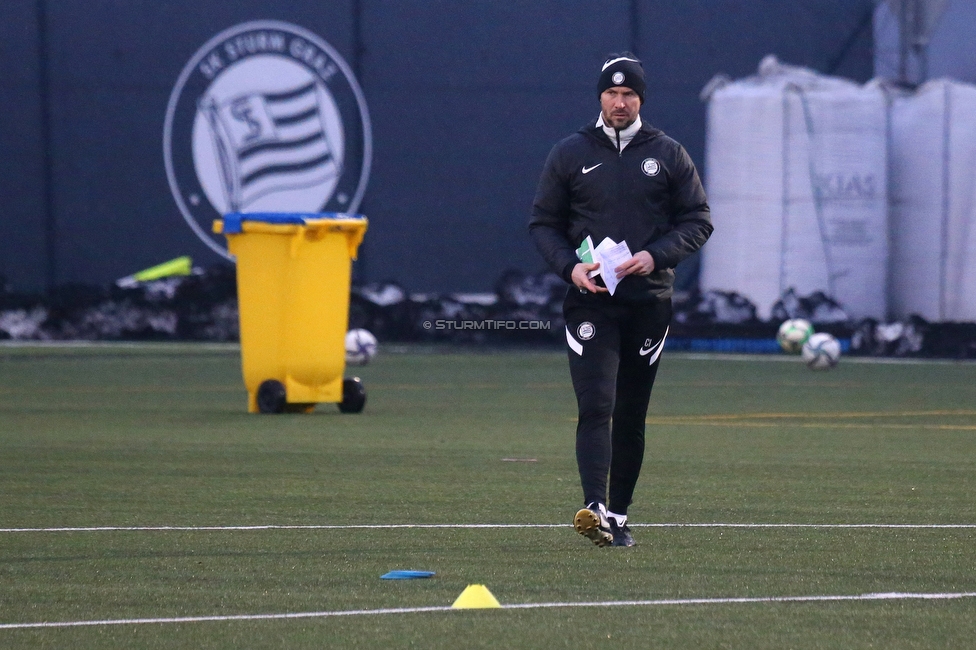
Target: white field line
{"x":669,"y":602}
{"x":98,"y":529}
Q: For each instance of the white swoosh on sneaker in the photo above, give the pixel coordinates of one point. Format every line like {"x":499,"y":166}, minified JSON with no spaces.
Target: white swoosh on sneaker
{"x":587,"y":170}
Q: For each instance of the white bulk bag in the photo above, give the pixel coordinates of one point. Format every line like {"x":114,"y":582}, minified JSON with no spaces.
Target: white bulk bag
{"x":795,"y":169}
{"x":933,"y":202}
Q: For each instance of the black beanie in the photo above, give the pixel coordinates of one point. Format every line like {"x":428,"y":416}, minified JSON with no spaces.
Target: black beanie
{"x":622,"y":70}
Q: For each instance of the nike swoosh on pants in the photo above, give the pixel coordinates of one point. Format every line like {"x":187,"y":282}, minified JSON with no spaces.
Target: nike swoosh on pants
{"x":656,"y":349}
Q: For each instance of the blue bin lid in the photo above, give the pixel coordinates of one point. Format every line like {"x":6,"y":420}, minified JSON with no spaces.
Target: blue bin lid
{"x":233,"y":221}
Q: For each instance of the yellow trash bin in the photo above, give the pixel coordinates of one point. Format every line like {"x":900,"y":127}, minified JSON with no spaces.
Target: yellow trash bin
{"x":293,"y":277}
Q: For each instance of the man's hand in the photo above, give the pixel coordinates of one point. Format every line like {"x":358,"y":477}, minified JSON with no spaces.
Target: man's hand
{"x":582,"y":280}
{"x":640,"y":264}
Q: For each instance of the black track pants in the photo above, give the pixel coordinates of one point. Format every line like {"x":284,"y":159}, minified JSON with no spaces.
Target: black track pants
{"x":614,"y":353}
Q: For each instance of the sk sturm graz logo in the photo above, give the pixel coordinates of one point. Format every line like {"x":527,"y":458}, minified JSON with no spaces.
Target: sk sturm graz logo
{"x":650,"y":167}
{"x":586,"y":331}
{"x":266,"y":117}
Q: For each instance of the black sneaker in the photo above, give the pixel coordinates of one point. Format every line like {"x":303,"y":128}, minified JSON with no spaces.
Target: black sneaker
{"x":621,"y":534}
{"x":591,"y":522}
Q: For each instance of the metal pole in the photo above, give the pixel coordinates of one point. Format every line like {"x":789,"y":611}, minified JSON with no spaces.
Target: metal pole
{"x":358,"y":49}
{"x":357,"y":40}
{"x":919,"y":40}
{"x":47,"y":157}
{"x":634,"y":28}
{"x":903,"y":41}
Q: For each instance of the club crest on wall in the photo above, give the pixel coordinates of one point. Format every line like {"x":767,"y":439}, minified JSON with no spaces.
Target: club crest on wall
{"x":265,"y":117}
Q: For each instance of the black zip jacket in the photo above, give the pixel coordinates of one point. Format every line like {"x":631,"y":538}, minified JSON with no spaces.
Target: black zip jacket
{"x":648,"y":195}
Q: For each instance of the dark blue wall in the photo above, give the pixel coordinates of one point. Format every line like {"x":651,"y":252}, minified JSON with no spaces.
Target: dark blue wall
{"x":465,"y":98}
{"x":22,"y":254}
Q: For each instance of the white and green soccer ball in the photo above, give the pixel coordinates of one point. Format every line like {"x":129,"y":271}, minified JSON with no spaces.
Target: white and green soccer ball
{"x":821,"y":351}
{"x":793,"y":334}
{"x":360,"y":347}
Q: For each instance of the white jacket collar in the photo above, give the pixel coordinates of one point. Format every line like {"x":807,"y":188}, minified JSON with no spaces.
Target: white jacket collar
{"x":626,"y":135}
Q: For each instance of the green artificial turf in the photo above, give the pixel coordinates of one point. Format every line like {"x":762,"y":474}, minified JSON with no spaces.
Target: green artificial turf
{"x":157,"y":436}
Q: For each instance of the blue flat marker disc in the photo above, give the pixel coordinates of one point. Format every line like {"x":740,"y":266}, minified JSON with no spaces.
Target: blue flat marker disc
{"x":406,"y":575}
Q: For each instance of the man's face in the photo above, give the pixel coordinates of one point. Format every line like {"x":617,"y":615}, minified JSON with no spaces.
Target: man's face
{"x":620,"y":106}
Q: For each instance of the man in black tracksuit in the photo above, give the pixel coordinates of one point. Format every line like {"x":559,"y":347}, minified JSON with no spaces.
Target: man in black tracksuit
{"x":622,"y":179}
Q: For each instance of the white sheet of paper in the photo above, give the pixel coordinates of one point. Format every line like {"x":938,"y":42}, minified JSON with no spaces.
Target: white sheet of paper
{"x":610,"y":255}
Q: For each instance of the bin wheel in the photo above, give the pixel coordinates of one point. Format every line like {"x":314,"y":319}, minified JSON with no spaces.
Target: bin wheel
{"x":353,"y":395}
{"x":271,"y":396}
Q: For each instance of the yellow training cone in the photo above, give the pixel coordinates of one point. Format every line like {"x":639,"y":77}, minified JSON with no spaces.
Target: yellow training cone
{"x":475,"y":597}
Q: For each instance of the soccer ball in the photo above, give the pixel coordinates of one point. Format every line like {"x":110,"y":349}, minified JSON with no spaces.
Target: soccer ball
{"x":360,"y":347}
{"x":793,"y":334}
{"x":821,"y":351}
